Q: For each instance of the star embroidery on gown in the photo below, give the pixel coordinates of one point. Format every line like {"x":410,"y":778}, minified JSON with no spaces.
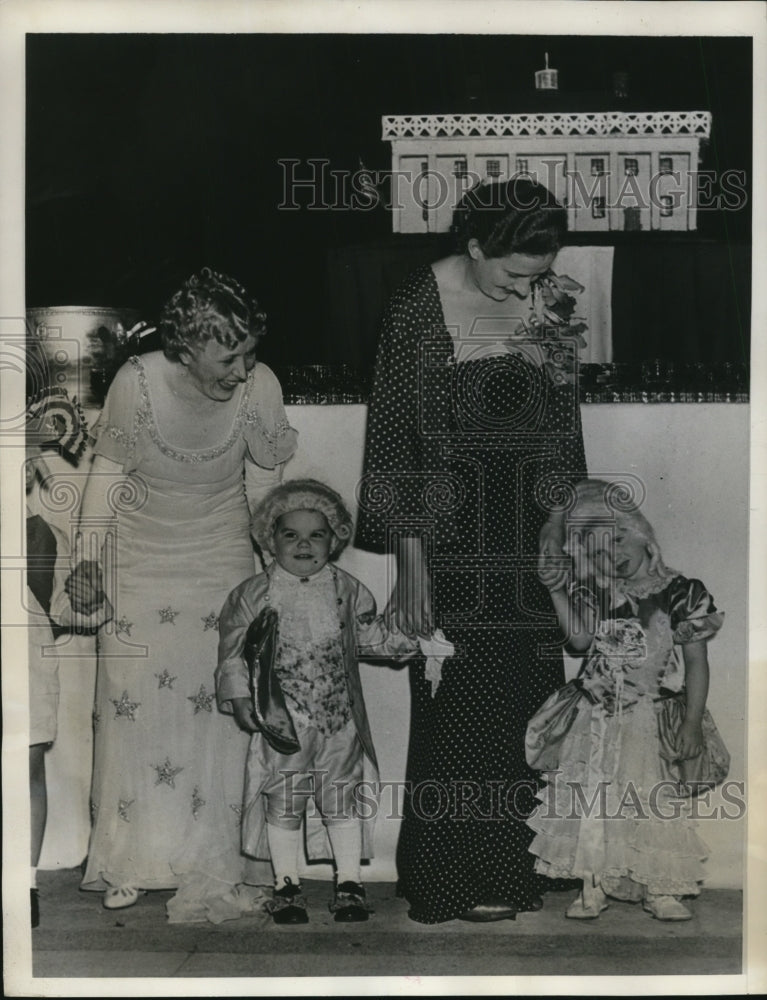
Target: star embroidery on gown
{"x":202,"y":700}
{"x":122,"y":809}
{"x":123,"y":626}
{"x":165,"y":680}
{"x":166,"y":773}
{"x":167,"y":615}
{"x":125,"y":707}
{"x":197,"y":802}
{"x":210,"y":621}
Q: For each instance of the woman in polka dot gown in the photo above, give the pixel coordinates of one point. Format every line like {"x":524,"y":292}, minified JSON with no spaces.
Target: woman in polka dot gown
{"x":467,"y":436}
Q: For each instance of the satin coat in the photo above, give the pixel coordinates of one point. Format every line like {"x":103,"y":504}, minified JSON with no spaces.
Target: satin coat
{"x":364,"y":636}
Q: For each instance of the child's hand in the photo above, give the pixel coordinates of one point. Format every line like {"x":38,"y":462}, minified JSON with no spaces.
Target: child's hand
{"x":551,"y":540}
{"x":34,"y":466}
{"x":85,"y":587}
{"x":244,"y":715}
{"x":552,"y":572}
{"x":689,"y":741}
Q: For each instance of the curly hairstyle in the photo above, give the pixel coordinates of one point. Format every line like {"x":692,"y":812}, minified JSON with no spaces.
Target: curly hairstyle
{"x":514,"y":216}
{"x":209,"y":305}
{"x":599,"y":503}
{"x":301,"y":494}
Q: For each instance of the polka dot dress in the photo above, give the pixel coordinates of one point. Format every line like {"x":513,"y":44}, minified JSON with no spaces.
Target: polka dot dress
{"x":469,"y":457}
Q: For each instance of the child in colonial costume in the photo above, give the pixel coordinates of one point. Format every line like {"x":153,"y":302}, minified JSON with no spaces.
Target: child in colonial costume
{"x":623,"y":743}
{"x":290,"y":641}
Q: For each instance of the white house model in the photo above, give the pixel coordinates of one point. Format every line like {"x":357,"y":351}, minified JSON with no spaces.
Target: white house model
{"x":613,"y":170}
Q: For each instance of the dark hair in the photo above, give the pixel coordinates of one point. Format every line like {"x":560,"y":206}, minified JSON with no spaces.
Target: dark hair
{"x":515,"y":216}
{"x":209,"y":305}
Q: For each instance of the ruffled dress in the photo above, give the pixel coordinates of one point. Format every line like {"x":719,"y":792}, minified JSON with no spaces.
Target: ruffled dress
{"x":168,"y":766}
{"x":610,"y":810}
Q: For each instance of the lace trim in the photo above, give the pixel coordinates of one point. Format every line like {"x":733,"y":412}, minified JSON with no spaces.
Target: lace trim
{"x":653,"y":884}
{"x":145,"y":418}
{"x":644,"y":588}
{"x":308,"y":610}
{"x":656,"y":885}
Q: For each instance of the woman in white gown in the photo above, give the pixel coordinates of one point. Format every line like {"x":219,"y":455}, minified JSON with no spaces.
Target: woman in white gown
{"x":189,"y":437}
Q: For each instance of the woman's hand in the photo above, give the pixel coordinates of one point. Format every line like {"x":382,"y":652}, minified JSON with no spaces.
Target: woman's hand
{"x":552,"y":574}
{"x":553,"y":562}
{"x":409,"y":608}
{"x":85,"y":587}
{"x":689,"y":740}
{"x":551,"y":540}
{"x":244,"y":716}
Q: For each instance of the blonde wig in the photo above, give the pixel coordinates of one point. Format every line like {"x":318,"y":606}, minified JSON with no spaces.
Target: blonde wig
{"x":610,"y":505}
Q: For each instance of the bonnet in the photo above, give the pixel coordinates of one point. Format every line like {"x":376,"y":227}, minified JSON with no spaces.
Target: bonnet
{"x":301,"y":494}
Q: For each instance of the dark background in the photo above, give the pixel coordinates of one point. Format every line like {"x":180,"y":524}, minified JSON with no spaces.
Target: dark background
{"x":149,"y":156}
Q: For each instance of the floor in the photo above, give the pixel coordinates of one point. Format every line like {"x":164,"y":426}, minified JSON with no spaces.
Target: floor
{"x":78,"y":938}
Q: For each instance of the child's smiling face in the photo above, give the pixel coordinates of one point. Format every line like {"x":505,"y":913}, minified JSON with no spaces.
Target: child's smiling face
{"x":631,"y":555}
{"x":624,"y":556}
{"x":302,"y":542}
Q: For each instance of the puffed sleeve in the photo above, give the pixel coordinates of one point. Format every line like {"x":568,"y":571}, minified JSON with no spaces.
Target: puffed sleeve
{"x":270,"y":439}
{"x":116,"y":431}
{"x":692,"y":612}
{"x":394,"y":447}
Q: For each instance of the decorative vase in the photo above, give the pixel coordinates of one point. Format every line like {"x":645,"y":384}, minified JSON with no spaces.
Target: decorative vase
{"x":78,"y":348}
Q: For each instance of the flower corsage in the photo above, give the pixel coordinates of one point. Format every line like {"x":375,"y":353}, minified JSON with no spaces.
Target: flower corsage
{"x":553,"y":328}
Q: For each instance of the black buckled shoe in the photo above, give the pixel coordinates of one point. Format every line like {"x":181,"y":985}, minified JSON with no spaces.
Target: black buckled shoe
{"x":350,"y":905}
{"x":287,"y":905}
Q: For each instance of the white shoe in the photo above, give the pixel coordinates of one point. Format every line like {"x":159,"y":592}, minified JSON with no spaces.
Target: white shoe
{"x":118,"y":898}
{"x":579,"y":909}
{"x":666,"y":908}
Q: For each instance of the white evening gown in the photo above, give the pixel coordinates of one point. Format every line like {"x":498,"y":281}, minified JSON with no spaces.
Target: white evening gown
{"x":168,"y":766}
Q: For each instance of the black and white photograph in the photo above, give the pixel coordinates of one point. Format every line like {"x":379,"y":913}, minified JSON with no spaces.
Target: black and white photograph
{"x":382,"y":498}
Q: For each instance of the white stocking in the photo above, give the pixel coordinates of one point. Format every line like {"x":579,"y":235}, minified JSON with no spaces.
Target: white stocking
{"x":283,"y":849}
{"x":346,"y":841}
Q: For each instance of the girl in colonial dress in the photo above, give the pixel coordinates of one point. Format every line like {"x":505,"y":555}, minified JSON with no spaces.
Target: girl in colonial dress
{"x":610,"y":813}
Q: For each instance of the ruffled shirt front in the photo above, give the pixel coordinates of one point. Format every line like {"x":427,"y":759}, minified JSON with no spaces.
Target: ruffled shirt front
{"x":310,"y":653}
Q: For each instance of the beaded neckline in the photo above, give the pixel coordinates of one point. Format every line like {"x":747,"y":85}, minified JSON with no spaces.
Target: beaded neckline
{"x":182,"y":454}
